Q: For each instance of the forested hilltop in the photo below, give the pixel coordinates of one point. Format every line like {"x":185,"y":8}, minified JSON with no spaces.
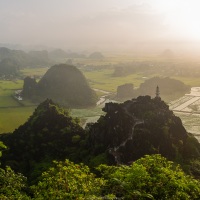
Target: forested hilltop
{"x":141,"y":126}
{"x":120,"y":140}
{"x":63,"y":83}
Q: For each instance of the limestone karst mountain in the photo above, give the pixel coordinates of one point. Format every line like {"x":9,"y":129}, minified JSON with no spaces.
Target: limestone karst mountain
{"x":64,"y":84}
{"x":170,"y":88}
{"x":138,"y":127}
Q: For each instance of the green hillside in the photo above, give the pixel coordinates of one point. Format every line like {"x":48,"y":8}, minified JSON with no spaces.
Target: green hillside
{"x":63,"y":83}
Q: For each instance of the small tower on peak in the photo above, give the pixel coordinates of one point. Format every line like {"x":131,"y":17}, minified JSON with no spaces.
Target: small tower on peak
{"x":157,"y":92}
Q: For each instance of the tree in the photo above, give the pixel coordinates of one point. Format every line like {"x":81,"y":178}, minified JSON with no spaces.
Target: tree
{"x":12,"y":185}
{"x":151,"y":177}
{"x":67,"y":180}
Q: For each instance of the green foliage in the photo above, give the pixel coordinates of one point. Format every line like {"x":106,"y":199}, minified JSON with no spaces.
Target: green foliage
{"x":190,"y":148}
{"x":99,"y":159}
{"x":12,"y":185}
{"x":167,"y":180}
{"x":151,"y":177}
{"x":194,"y":168}
{"x":76,"y":139}
{"x":67,"y":180}
{"x":2,"y":146}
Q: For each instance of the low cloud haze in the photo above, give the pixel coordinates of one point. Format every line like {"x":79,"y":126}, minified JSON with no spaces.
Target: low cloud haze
{"x":94,"y":24}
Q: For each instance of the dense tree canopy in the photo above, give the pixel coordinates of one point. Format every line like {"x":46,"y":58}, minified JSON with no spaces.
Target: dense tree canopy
{"x":151,"y":177}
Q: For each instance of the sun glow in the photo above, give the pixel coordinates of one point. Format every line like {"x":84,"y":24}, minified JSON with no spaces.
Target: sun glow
{"x":182,"y":17}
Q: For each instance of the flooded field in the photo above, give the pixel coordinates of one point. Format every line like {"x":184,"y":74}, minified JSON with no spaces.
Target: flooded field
{"x":188,"y":109}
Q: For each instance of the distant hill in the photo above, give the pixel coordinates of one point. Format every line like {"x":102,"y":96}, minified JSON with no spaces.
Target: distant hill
{"x":11,"y":61}
{"x":60,"y":54}
{"x":125,"y":91}
{"x":57,"y":54}
{"x":39,"y":58}
{"x":96,"y":55}
{"x":170,"y":89}
{"x":9,"y":67}
{"x":168,"y":54}
{"x":65,"y":84}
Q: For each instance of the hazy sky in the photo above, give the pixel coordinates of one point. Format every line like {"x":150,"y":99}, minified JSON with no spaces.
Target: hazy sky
{"x":98,"y":23}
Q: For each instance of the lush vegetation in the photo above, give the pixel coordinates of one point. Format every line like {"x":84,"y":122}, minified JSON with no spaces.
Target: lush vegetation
{"x":127,"y":132}
{"x":151,"y":177}
{"x":66,"y":180}
{"x":37,"y":152}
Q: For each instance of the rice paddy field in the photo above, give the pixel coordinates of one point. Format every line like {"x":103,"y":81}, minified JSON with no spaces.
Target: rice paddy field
{"x":188,"y":109}
{"x":104,"y":79}
{"x":34,"y":71}
{"x":12,"y":112}
{"x":191,"y":122}
{"x":11,"y":118}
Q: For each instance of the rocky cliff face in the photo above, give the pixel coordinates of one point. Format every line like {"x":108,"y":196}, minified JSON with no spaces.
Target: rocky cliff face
{"x":138,"y":127}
